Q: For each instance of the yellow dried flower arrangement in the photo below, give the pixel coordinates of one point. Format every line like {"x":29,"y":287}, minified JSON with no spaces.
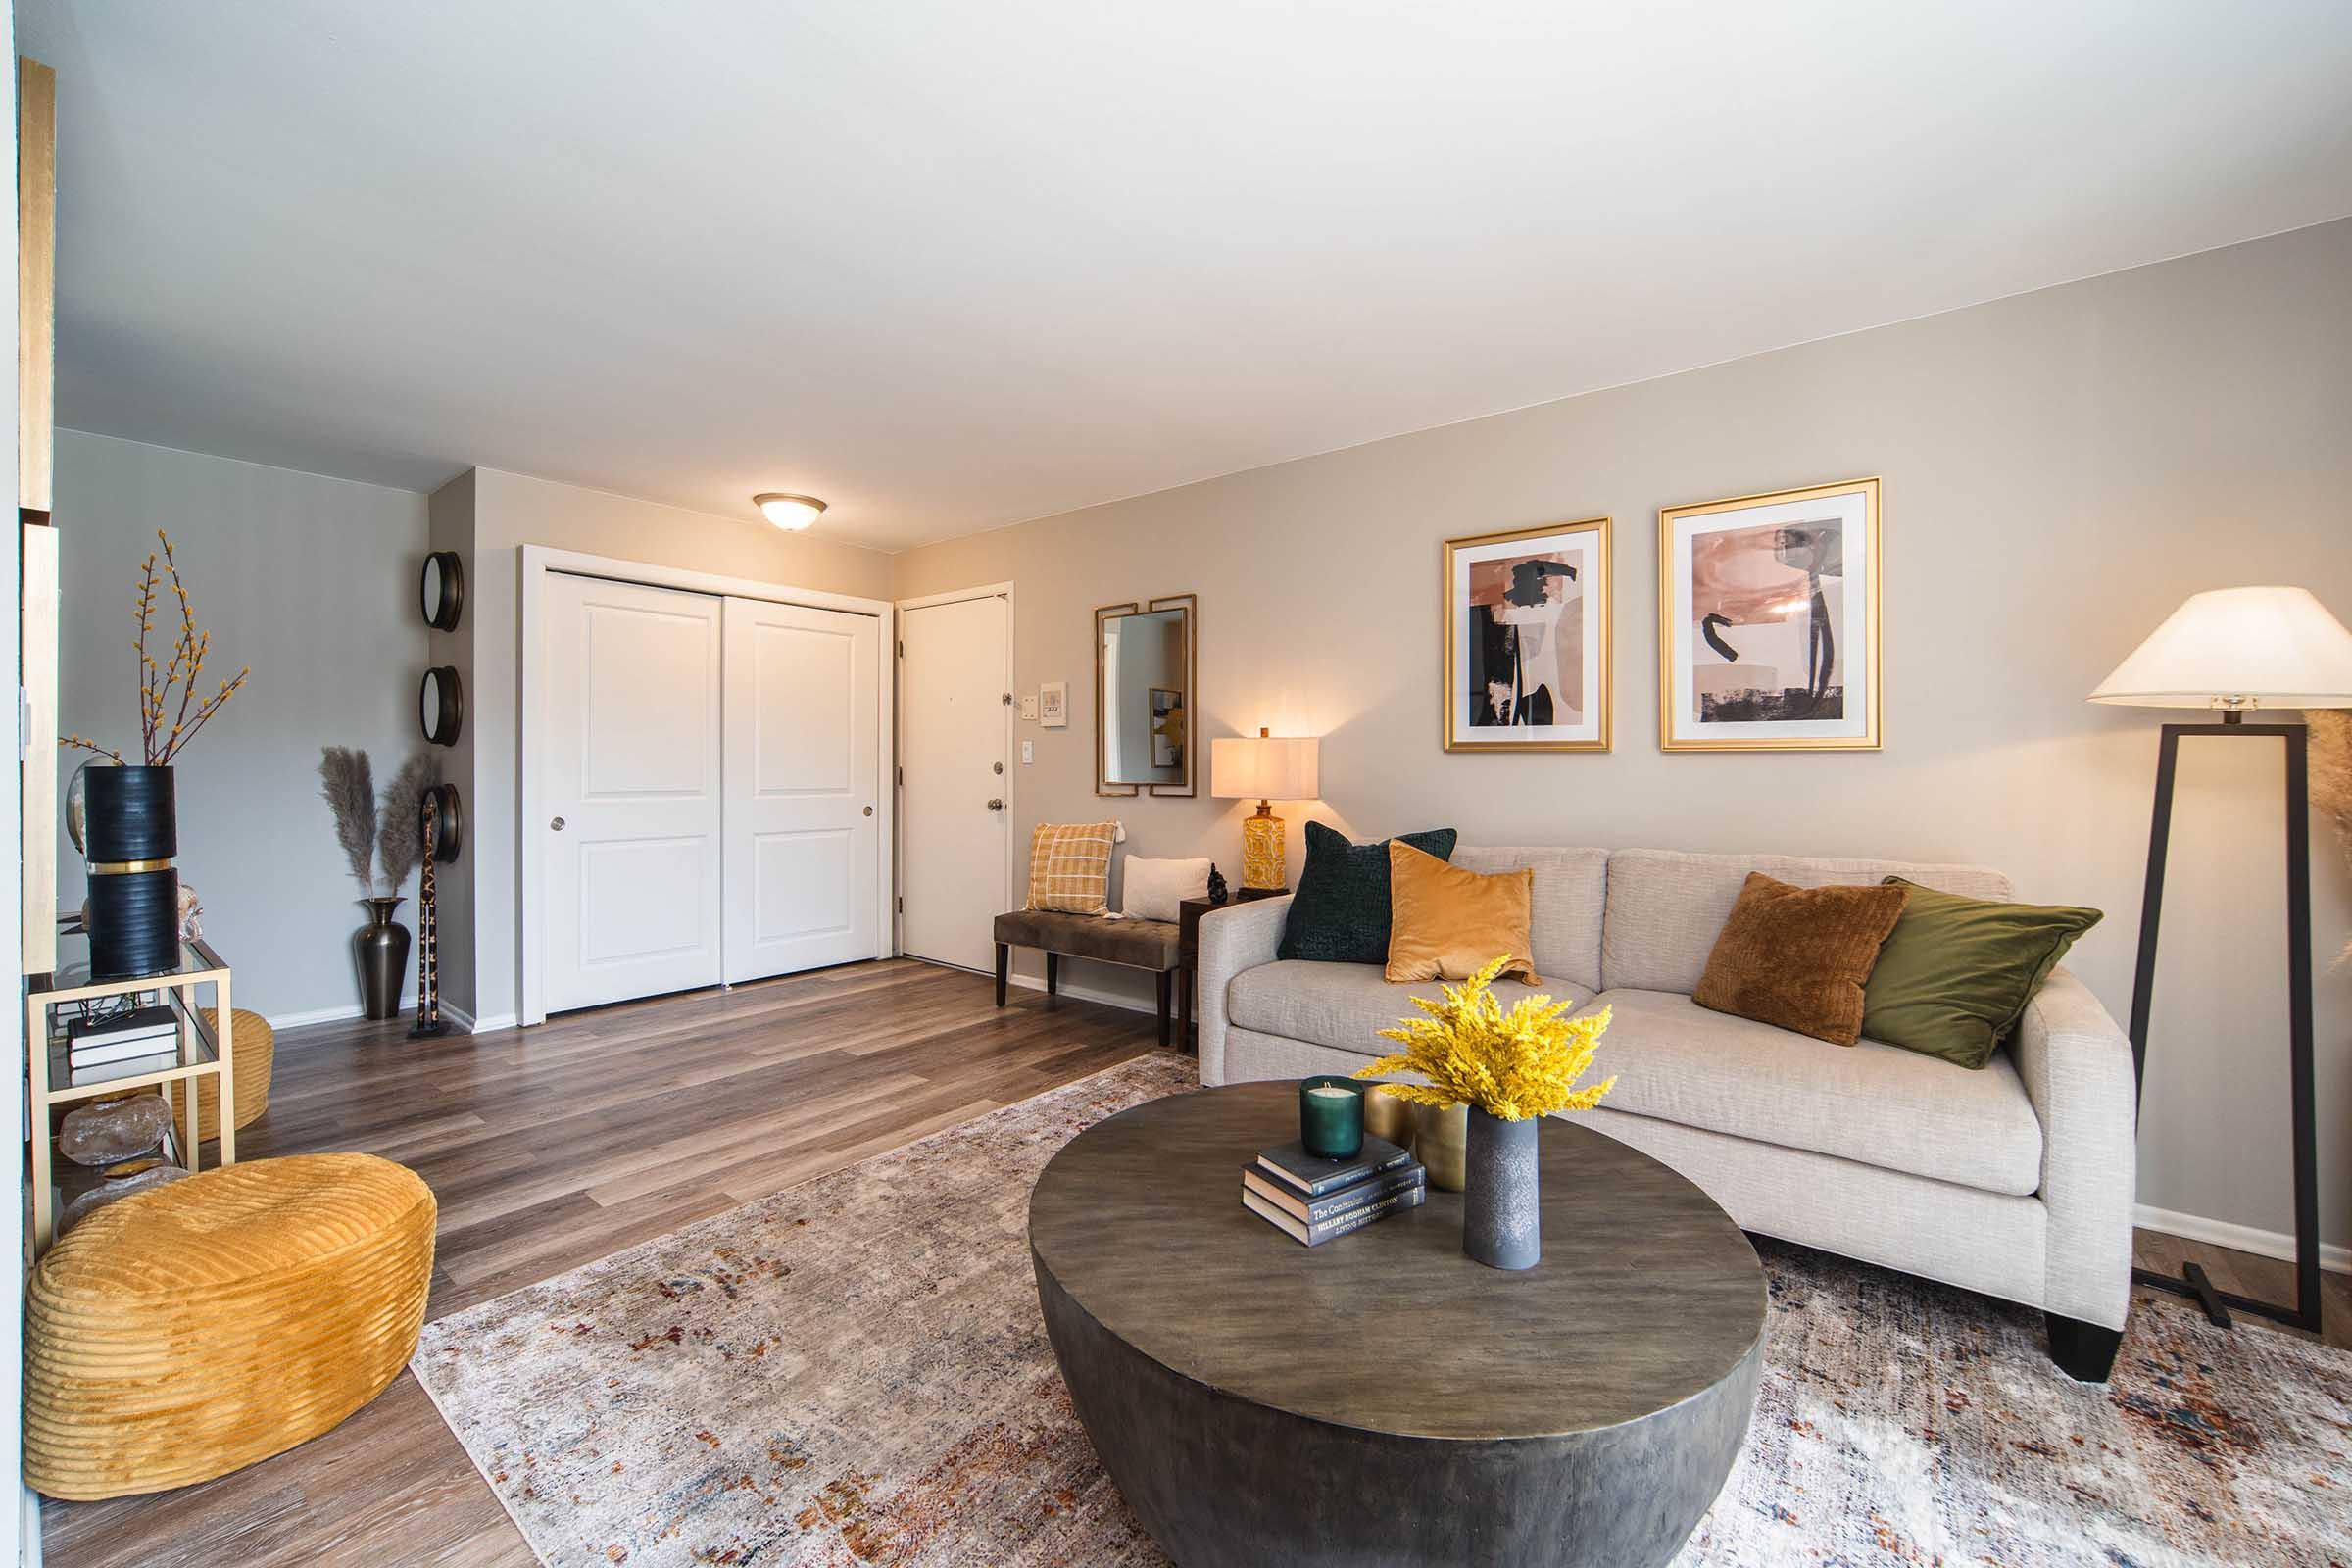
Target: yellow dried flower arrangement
{"x":1513,"y":1065}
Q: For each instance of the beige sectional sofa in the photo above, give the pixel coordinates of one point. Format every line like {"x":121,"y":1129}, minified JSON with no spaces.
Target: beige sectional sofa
{"x":2015,"y":1180}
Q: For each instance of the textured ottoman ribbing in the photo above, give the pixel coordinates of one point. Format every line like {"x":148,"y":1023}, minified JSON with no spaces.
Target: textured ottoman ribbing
{"x":187,"y":1332}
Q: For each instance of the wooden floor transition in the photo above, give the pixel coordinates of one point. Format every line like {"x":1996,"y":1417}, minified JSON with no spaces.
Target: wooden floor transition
{"x":556,"y":1146}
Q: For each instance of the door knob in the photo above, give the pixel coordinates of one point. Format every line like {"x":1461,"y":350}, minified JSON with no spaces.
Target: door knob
{"x":557,"y":824}
{"x":870,"y":811}
{"x":994,"y":804}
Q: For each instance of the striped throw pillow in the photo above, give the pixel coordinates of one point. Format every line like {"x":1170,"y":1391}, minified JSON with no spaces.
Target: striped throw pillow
{"x":1069,"y":867}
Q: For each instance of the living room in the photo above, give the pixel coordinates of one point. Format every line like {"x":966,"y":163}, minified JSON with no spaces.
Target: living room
{"x":913,"y":625}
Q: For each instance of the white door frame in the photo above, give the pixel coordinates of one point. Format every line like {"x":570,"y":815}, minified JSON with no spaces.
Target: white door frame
{"x":1012,"y":760}
{"x":540,"y":559}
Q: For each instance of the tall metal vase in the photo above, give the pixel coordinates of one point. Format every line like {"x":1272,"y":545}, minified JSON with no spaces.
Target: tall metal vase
{"x":381,"y":947}
{"x":1502,"y":1207}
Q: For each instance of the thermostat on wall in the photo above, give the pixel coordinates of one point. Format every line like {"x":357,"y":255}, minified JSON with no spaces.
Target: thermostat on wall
{"x":1054,"y":704}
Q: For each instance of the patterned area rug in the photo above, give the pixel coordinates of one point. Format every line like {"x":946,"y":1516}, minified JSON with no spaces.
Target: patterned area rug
{"x":854,"y":1372}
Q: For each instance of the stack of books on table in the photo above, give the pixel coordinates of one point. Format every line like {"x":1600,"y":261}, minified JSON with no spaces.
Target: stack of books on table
{"x":142,"y":1040}
{"x":1312,"y":1200}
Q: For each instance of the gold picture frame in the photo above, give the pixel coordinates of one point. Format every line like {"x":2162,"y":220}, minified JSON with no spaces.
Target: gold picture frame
{"x":1779,"y":569}
{"x":1503,"y":714}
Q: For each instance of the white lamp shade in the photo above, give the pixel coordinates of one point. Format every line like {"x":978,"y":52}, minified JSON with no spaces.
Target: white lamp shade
{"x":2239,"y":648}
{"x":1263,"y":767}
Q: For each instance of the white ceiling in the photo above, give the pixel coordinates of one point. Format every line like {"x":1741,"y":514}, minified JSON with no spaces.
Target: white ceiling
{"x":955,"y":265}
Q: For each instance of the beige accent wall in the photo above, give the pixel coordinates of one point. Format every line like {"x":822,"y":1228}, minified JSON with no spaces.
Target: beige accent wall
{"x":488,"y":516}
{"x":2060,"y":470}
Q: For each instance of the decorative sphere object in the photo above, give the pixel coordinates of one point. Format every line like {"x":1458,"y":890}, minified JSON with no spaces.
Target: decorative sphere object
{"x":113,"y":1130}
{"x":97,"y":1198}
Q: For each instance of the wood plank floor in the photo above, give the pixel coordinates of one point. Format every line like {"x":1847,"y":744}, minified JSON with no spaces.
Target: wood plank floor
{"x":553,"y":1148}
{"x":556,"y":1146}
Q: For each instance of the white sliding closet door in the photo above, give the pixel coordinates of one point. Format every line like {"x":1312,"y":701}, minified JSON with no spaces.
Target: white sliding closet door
{"x":803,"y":861}
{"x":633,"y":785}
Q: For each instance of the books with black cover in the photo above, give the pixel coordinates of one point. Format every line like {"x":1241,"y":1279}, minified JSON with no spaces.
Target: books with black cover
{"x":1312,"y":1178}
{"x":1339,"y":1201}
{"x":1297,"y":1230}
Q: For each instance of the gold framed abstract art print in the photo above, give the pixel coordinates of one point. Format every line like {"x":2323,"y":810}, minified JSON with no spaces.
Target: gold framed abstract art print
{"x":1526,"y":639}
{"x":1768,"y":623}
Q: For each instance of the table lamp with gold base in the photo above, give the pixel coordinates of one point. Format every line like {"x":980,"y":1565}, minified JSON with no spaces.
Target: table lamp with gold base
{"x":1269,"y":768}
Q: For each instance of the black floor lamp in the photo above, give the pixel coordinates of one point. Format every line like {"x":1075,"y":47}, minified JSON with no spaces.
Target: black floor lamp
{"x":2232,"y":650}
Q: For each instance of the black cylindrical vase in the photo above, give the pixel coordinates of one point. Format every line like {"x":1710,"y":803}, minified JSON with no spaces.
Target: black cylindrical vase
{"x":1503,"y":1208}
{"x":130,"y":833}
{"x":131,"y":815}
{"x":134,"y":923}
{"x":381,"y":947}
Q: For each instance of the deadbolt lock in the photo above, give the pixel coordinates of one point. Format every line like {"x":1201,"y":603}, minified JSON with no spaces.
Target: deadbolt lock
{"x":999,"y":767}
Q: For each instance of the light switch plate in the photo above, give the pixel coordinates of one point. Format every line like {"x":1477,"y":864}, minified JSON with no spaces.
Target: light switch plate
{"x":1029,"y":709}
{"x":1028,"y":753}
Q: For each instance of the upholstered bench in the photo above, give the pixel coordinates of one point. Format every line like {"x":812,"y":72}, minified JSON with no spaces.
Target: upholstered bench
{"x":1138,"y":944}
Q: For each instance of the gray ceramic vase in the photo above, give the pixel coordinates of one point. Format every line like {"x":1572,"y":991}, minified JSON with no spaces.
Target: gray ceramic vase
{"x":1502,"y":1209}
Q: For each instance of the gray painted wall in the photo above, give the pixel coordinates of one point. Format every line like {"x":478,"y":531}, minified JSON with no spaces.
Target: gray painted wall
{"x":2061,"y":469}
{"x":313,"y":582}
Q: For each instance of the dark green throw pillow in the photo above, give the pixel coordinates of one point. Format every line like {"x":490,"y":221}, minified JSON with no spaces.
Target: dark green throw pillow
{"x":1954,"y":976}
{"x":1339,"y":913}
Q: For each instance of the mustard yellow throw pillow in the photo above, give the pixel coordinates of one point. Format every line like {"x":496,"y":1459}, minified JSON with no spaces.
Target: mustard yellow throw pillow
{"x":1069,"y":867}
{"x":1446,"y":924}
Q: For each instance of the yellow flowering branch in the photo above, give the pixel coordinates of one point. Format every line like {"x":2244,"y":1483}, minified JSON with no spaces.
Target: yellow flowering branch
{"x":1513,"y":1064}
{"x":162,"y":740}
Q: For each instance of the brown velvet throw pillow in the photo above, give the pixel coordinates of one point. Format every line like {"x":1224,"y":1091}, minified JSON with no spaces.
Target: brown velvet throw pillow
{"x":1446,"y":924}
{"x":1799,"y":956}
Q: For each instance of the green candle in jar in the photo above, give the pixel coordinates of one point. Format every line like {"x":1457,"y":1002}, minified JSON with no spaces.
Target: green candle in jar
{"x":1331,"y":1117}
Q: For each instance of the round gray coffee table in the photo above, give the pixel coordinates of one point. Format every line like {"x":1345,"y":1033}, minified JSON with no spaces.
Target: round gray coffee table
{"x":1381,"y":1398}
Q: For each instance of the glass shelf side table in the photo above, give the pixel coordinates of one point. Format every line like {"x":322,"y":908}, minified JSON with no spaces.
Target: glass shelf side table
{"x":199,"y":1048}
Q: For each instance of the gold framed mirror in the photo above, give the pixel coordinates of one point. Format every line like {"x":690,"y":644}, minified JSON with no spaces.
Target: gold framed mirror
{"x":1147,"y":669}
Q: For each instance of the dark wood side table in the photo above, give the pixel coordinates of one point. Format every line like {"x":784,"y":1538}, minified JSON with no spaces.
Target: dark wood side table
{"x":1188,"y":953}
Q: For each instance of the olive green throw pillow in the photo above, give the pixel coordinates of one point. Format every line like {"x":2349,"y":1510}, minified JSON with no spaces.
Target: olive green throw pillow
{"x":1955,"y":974}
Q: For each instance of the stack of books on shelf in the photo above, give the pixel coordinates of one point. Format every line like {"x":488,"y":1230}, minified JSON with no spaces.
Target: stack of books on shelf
{"x":1313,"y":1201}
{"x":123,"y":1046}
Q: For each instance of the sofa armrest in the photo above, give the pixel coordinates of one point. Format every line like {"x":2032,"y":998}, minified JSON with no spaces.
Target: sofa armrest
{"x":1237,"y":937}
{"x":2077,"y":1067}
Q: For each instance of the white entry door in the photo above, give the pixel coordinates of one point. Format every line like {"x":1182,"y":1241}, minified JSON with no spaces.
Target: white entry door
{"x":955,"y":731}
{"x":804,"y":764}
{"x":634,"y":791}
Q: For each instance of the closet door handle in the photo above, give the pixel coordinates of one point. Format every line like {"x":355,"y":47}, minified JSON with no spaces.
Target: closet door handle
{"x":994,"y":804}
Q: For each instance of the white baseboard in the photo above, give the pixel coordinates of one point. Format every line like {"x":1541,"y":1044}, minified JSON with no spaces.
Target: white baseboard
{"x":2241,"y":1238}
{"x":477,"y":1026}
{"x":1108,"y":999}
{"x":296,"y":1020}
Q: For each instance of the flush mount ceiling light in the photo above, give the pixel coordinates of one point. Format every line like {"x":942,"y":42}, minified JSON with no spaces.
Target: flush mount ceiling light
{"x":789,"y":513}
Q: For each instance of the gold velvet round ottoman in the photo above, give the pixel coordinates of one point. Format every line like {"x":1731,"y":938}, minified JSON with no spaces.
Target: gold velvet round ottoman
{"x":186,"y":1332}
{"x":252,"y":1050}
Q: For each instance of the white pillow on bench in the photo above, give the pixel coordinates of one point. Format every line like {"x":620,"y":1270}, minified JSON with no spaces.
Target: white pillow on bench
{"x":1152,"y":890}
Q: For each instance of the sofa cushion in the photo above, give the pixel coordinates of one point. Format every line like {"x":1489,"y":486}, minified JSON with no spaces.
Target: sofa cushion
{"x":1665,"y":908}
{"x":1346,"y":1006}
{"x":1798,"y":957}
{"x":1340,"y":913}
{"x":1448,"y":923}
{"x":1564,"y":911}
{"x":1956,"y":975}
{"x":1872,"y":1103}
